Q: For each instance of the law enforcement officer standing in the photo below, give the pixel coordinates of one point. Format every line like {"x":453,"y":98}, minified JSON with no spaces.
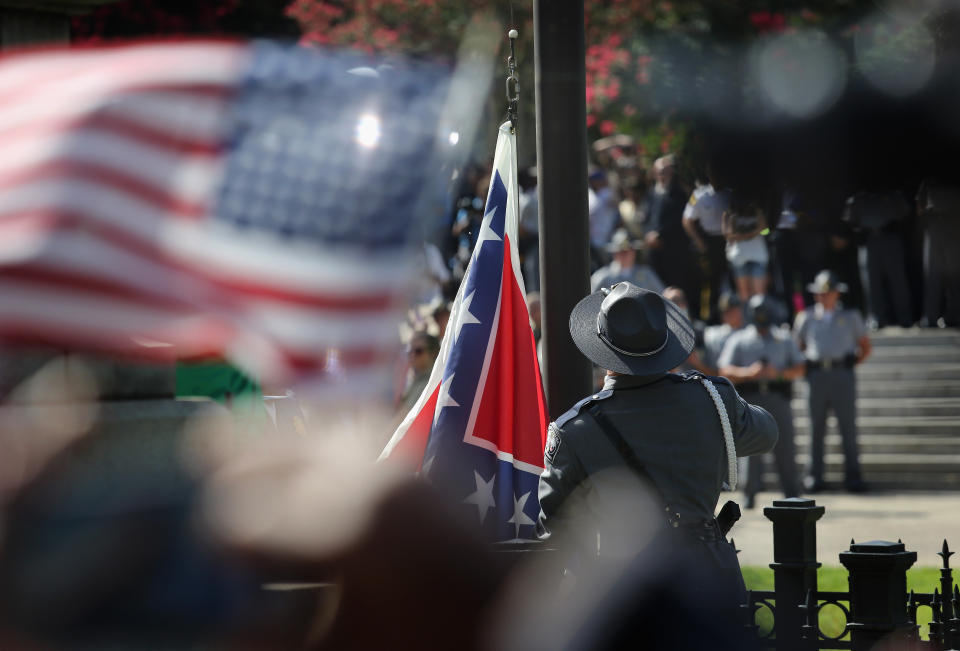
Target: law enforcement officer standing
{"x":665,"y":427}
{"x":716,"y":336}
{"x":833,"y":340}
{"x":763,"y":360}
{"x":703,"y":222}
{"x":625,"y":265}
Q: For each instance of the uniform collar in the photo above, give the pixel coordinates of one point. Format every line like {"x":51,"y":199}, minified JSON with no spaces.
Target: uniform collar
{"x":614,"y":382}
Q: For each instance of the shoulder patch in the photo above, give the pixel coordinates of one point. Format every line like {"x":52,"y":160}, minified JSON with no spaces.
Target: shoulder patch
{"x":571,"y":413}
{"x":685,"y":376}
{"x":553,"y":443}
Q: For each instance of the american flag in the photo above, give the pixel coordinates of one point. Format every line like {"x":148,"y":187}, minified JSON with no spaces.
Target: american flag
{"x":252,"y":200}
{"x":479,"y":428}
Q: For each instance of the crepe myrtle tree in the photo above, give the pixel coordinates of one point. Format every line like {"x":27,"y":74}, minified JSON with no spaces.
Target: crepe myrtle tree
{"x":645,"y":59}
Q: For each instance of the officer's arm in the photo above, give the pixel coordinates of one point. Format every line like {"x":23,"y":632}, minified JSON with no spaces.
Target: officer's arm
{"x":561,"y":475}
{"x":863,"y":348}
{"x":754,"y":430}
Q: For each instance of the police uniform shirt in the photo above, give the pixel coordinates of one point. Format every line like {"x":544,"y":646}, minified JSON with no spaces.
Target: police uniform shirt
{"x":672,"y":426}
{"x":640,"y":275}
{"x":748,"y":346}
{"x":829,"y":335}
{"x":707,"y":206}
{"x":714,"y":338}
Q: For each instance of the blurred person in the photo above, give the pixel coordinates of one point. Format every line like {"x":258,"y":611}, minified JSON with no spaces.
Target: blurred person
{"x":743,"y":225}
{"x":693,"y":362}
{"x":625,"y":265}
{"x":661,"y":426}
{"x":422,"y":352}
{"x":763,"y":360}
{"x":879,"y":217}
{"x":529,"y":228}
{"x":833,"y":340}
{"x":604,"y":214}
{"x":669,"y":249}
{"x":631,"y":210}
{"x":938,"y":206}
{"x":715,"y":336}
{"x":703,"y":221}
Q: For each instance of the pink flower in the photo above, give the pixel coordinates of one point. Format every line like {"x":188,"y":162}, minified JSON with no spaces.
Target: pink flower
{"x":607,"y":127}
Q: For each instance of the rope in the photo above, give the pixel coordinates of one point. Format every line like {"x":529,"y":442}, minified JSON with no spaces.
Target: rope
{"x":727,"y":433}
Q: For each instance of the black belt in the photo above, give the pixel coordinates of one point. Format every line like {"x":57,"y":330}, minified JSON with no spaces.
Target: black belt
{"x":783,"y":387}
{"x":848,"y":361}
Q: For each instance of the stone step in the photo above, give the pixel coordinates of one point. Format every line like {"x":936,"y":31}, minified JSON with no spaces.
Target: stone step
{"x":913,"y":355}
{"x":945,"y":426}
{"x":915,"y":337}
{"x":907,"y":371}
{"x":900,"y":480}
{"x":914,"y":445}
{"x":896,"y":407}
{"x":879,"y":388}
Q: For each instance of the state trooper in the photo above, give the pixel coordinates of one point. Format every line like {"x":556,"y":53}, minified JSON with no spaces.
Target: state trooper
{"x":716,"y":336}
{"x":681,"y":434}
{"x":833,"y":340}
{"x":628,"y":264}
{"x":763,"y":360}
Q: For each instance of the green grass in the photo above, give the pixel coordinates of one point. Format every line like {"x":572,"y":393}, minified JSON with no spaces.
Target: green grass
{"x":834,"y":579}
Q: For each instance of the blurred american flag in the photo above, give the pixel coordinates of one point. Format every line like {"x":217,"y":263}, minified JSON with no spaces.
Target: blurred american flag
{"x":255,"y":201}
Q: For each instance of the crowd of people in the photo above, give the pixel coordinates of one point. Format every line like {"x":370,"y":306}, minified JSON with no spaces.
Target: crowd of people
{"x":759,"y":278}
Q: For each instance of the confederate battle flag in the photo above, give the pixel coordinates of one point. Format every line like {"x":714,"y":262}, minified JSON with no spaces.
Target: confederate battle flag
{"x":479,"y":428}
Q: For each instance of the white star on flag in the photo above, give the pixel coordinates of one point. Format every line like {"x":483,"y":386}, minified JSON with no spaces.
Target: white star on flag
{"x":487,"y":234}
{"x":483,"y":496}
{"x":464,"y":316}
{"x":520,"y":518}
{"x":443,"y":398}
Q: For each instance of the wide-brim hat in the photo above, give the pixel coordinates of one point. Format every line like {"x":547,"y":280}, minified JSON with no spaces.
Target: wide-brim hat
{"x":622,"y":241}
{"x":826,"y":281}
{"x":631,"y":330}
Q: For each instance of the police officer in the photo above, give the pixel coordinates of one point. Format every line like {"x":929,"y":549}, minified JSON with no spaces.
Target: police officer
{"x":626,"y":265}
{"x":763,"y":360}
{"x":716,"y":336}
{"x":662,"y":426}
{"x":833,"y":340}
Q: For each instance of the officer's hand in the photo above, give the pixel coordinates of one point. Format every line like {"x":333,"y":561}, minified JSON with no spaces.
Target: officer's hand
{"x":754,"y":371}
{"x":768,"y":372}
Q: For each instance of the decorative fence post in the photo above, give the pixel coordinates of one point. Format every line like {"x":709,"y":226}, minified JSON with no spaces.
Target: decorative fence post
{"x":878,"y":589}
{"x":794,"y":565}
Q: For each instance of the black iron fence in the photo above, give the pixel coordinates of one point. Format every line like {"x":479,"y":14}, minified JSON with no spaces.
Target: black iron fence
{"x":876,"y":607}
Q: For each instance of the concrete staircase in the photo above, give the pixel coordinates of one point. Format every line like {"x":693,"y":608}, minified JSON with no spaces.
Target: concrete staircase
{"x":908,"y":414}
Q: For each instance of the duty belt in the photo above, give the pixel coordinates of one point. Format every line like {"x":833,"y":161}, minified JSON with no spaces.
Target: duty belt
{"x":783,"y":387}
{"x":829,"y":364}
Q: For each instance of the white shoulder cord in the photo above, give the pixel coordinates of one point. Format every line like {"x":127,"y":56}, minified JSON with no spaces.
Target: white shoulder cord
{"x":727,"y":434}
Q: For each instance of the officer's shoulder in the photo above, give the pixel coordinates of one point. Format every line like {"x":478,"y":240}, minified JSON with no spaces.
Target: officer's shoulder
{"x":697,"y":376}
{"x":581,"y":406}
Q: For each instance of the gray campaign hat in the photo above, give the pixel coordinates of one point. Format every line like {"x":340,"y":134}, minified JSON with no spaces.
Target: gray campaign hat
{"x":826,"y":281}
{"x":631,"y":330}
{"x":762,"y":311}
{"x":622,"y":241}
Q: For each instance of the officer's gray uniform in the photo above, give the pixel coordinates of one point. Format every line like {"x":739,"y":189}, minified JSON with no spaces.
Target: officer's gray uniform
{"x":830,"y":342}
{"x":714,"y":339}
{"x":748,"y":346}
{"x":671,"y":424}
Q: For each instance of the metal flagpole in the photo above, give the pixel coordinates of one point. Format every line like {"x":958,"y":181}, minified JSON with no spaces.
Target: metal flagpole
{"x":562,"y":192}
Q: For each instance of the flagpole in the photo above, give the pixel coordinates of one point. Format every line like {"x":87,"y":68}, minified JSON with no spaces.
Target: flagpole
{"x":560,"y":54}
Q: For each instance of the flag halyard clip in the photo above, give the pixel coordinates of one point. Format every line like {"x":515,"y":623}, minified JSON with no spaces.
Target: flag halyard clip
{"x":513,"y":83}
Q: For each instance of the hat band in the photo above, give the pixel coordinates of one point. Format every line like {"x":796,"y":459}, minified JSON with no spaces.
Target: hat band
{"x":629,"y":352}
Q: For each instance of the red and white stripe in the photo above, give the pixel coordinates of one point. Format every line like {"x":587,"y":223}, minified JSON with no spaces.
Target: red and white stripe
{"x":111,"y":159}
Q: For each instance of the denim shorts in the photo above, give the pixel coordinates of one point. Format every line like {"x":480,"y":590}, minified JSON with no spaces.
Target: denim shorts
{"x":750,"y":269}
